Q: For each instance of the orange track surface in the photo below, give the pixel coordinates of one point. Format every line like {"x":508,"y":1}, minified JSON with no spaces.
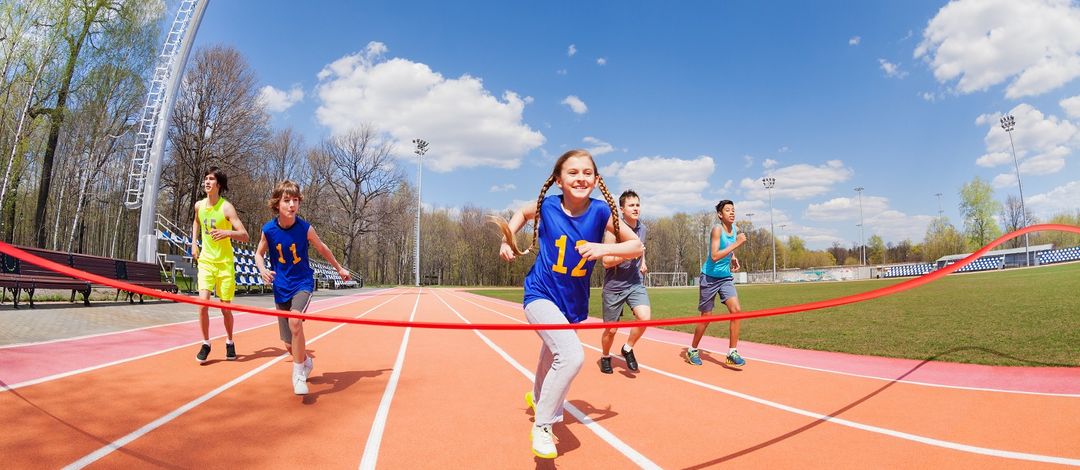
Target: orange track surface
{"x":458,"y":404}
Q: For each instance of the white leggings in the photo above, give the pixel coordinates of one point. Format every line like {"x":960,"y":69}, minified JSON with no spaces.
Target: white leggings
{"x":561,"y":357}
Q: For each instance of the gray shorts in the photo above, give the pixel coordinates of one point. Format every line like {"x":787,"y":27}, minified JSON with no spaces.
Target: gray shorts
{"x":709,"y":287}
{"x":298,"y":303}
{"x":613,"y":301}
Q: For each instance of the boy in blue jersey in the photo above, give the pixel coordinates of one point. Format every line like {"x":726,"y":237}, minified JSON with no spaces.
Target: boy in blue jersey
{"x":716,"y":279}
{"x":287,"y":236}
{"x":557,"y":287}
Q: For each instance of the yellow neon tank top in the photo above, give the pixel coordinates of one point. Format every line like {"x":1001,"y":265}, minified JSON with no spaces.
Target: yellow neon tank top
{"x":211,"y":217}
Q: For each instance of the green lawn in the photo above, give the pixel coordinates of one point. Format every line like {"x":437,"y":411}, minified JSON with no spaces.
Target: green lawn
{"x":1016,"y":317}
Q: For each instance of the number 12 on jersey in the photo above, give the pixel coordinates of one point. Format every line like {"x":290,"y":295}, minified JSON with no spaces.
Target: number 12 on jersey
{"x":579,"y":270}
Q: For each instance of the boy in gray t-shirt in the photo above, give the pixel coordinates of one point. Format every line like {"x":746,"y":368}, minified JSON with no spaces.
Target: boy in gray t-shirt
{"x":623,"y":284}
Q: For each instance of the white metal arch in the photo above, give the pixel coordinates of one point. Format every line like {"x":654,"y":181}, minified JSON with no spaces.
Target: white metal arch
{"x":145,"y":176}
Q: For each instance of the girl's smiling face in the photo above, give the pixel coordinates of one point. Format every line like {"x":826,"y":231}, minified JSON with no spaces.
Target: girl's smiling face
{"x":578,"y":177}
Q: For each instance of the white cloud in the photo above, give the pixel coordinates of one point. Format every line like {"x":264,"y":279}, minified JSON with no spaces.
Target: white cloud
{"x":981,"y":43}
{"x":601,"y":61}
{"x":799,"y":181}
{"x":466,"y":125}
{"x":575,"y":104}
{"x":783,"y":149}
{"x":570,"y":51}
{"x":276,"y":101}
{"x":561,"y":71}
{"x":891,"y":70}
{"x":928,"y":96}
{"x":1042,"y":143}
{"x":503,"y":187}
{"x":845,"y":208}
{"x":1071,"y":106}
{"x":728,"y":184}
{"x":597,"y":146}
{"x":854,"y":41}
{"x":895,"y":226}
{"x":769,"y":163}
{"x":681,"y":187}
{"x":1062,"y":199}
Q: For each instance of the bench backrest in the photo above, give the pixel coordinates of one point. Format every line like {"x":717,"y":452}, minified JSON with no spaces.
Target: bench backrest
{"x":139,"y":271}
{"x":30,"y":269}
{"x":104,"y":267}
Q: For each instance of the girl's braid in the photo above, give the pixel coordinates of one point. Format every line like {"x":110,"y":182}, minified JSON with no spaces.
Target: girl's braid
{"x":540,"y":200}
{"x":610,"y":203}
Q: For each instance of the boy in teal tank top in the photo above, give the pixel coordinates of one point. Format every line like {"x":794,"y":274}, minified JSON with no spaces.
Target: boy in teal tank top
{"x":716,"y":279}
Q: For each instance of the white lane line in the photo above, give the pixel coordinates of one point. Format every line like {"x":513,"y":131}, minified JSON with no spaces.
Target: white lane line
{"x":838,"y":372}
{"x":117,"y":444}
{"x":378,"y":426}
{"x":612,"y":440}
{"x":132,"y":330}
{"x":844,"y":422}
{"x":70,"y":373}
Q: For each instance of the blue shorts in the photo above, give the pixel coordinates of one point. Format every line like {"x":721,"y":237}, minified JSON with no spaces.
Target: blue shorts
{"x":709,"y":287}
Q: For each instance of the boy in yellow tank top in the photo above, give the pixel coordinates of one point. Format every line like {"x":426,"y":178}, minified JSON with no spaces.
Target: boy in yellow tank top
{"x":216,"y":224}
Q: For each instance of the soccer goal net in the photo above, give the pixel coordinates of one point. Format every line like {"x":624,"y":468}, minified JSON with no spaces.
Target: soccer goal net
{"x":665,"y":279}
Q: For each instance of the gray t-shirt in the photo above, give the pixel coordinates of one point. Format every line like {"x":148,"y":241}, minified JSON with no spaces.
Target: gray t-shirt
{"x":628,"y":272}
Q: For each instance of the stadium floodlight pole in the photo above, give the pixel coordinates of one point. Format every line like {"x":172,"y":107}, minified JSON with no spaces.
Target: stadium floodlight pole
{"x":862,"y":228}
{"x":940,"y":212}
{"x":1008,"y":122}
{"x":769,"y":183}
{"x":421,"y":149}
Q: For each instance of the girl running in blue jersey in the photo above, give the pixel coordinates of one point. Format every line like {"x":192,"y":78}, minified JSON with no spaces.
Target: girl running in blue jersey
{"x":716,"y":279}
{"x":557,"y":287}
{"x":287,"y":236}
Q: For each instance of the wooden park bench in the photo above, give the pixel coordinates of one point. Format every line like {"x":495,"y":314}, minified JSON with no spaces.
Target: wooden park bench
{"x":17,"y":275}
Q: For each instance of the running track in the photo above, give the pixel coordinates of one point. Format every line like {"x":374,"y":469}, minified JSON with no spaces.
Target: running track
{"x":420,"y":398}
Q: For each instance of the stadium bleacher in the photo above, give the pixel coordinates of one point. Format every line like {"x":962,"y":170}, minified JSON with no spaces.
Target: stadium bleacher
{"x":1059,"y":256}
{"x":909,"y":270}
{"x":983,"y":264}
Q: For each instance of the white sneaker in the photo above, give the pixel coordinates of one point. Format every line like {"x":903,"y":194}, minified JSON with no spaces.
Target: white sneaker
{"x":308,"y":365}
{"x":299,"y":384}
{"x":543,"y":442}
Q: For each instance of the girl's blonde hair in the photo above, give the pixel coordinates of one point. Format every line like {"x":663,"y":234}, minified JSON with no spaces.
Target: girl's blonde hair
{"x":285,"y":187}
{"x":504,"y":226}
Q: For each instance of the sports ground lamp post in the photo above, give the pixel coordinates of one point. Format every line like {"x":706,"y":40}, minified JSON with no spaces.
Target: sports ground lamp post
{"x":421,"y":149}
{"x":769,"y":183}
{"x":1008,"y":122}
{"x":862,"y":228}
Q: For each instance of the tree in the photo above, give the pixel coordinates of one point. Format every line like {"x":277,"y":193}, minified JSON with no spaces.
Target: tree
{"x":942,"y":239}
{"x":875,"y":250}
{"x":978,"y":208}
{"x":1012,"y":217}
{"x":216,"y":121}
{"x":79,"y":22}
{"x":357,"y":169}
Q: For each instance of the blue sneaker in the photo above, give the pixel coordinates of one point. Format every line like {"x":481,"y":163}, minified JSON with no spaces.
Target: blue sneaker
{"x":735,"y":359}
{"x":693,"y":356}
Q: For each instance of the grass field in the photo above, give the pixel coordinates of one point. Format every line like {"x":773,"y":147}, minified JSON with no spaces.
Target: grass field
{"x":1028,"y":317}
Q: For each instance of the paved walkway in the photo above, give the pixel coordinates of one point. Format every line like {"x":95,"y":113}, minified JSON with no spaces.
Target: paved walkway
{"x":60,"y":320}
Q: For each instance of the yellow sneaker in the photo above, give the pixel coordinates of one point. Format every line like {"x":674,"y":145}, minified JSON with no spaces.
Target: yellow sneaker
{"x":530,"y":402}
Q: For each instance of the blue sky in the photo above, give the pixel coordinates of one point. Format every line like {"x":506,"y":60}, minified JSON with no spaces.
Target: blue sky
{"x":692,"y":102}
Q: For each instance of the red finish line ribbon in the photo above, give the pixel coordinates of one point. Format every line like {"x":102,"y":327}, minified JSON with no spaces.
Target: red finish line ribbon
{"x":873,"y":294}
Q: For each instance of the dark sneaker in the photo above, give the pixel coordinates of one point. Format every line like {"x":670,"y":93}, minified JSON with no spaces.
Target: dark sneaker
{"x":230,"y":352}
{"x":203,"y":353}
{"x":605,"y":365}
{"x":631,"y":362}
{"x":735,"y":359}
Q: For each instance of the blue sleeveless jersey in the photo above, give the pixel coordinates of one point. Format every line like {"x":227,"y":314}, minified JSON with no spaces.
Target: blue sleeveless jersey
{"x":288,"y":256}
{"x":720,"y":268}
{"x":559,"y":273}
